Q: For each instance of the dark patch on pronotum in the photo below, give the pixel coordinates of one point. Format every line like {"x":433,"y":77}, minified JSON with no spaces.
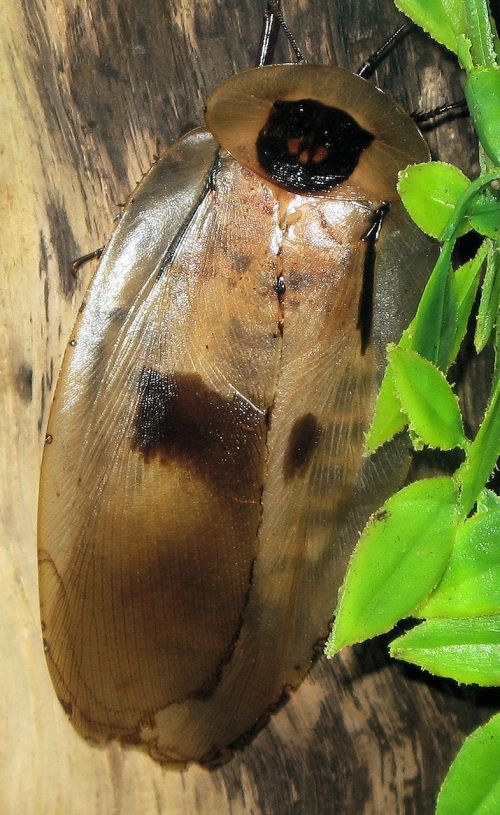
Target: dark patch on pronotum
{"x":365,"y":308}
{"x":303,"y":438}
{"x":179,"y":418}
{"x":310,"y":147}
{"x":24,"y":382}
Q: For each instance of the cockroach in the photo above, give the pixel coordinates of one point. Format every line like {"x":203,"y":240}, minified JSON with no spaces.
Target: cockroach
{"x":214,"y":398}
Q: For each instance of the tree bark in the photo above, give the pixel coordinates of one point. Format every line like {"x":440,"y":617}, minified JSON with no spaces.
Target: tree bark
{"x":91,"y":91}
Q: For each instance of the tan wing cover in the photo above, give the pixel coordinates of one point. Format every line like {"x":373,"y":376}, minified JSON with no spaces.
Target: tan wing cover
{"x":204,"y":484}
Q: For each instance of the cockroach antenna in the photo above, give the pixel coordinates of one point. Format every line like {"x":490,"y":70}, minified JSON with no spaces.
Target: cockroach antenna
{"x":273,"y":21}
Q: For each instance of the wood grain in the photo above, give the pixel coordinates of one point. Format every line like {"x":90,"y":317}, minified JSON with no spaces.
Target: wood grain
{"x":91,"y":90}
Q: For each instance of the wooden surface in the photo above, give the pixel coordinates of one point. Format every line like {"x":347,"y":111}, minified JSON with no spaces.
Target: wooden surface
{"x":91,"y":90}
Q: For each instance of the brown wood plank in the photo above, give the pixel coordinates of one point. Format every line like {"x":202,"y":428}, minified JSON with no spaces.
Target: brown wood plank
{"x":91,"y":90}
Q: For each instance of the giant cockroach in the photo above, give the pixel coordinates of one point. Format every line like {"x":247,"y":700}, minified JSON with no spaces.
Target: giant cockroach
{"x":216,"y":391}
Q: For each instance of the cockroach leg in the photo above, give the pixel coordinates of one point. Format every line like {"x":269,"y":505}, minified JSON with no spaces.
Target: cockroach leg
{"x":84,"y":259}
{"x":365,"y":310}
{"x":366,"y":69}
{"x":268,"y":38}
{"x":420,"y":116}
{"x":273,"y":21}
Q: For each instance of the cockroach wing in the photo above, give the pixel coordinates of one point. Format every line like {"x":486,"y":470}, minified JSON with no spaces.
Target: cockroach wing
{"x":150,"y":488}
{"x":204,"y":483}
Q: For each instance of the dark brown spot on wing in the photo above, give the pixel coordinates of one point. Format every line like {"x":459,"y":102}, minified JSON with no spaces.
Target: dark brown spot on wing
{"x":179,"y":418}
{"x":303,"y":438}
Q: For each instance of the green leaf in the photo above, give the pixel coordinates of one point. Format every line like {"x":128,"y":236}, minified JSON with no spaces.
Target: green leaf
{"x":434,"y":327}
{"x":496,"y":40}
{"x":472,"y":786}
{"x":442,"y":19}
{"x":496,"y":372}
{"x":467,"y":650}
{"x":471,"y":199}
{"x":387,"y":418}
{"x":479,"y":31}
{"x":430,"y":192}
{"x":482,"y":456}
{"x":488,"y":501}
{"x":466,"y":283}
{"x":490,"y":298}
{"x":484,"y":214}
{"x":470,"y":586}
{"x":482,"y":92}
{"x":399,"y":558}
{"x":427,"y":399}
{"x":464,"y":47}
